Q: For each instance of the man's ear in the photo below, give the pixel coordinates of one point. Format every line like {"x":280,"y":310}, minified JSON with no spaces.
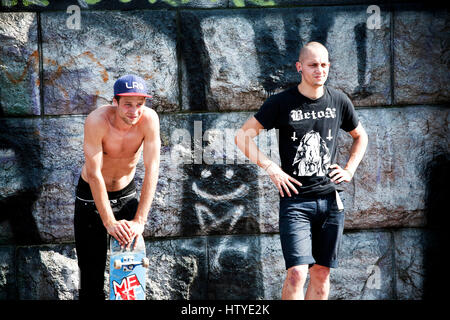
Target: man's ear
{"x":115,"y":102}
{"x":298,"y":65}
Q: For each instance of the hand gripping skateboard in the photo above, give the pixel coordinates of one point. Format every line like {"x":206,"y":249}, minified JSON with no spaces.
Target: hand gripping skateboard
{"x":127,"y":271}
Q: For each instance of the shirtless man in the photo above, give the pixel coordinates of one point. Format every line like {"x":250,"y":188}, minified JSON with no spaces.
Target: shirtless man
{"x":106,"y":202}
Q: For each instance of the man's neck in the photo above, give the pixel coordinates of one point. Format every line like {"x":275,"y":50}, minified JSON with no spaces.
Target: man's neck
{"x":312,"y":93}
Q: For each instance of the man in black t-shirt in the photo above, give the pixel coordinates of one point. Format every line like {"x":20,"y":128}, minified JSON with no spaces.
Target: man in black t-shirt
{"x":308,"y":118}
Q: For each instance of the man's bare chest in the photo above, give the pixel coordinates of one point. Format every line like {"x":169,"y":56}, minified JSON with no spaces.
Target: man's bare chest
{"x":116,"y":145}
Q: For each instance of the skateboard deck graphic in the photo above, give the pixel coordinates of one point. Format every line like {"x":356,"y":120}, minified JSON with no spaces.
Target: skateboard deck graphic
{"x":127,"y":271}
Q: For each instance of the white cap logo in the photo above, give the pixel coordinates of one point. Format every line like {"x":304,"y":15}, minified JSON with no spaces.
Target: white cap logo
{"x":135,"y":84}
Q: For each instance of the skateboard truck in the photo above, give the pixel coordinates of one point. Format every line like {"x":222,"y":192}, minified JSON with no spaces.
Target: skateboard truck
{"x":129,"y":263}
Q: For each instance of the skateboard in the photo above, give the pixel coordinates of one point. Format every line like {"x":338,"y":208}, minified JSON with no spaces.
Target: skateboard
{"x":127,"y":271}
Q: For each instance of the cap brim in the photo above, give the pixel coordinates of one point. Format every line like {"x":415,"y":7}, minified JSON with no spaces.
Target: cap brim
{"x":134,"y":94}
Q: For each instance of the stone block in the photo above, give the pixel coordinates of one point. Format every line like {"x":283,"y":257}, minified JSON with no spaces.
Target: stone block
{"x":391,"y":186}
{"x":22,"y":174}
{"x":365,"y":269}
{"x":205,"y":187}
{"x":41,"y":160}
{"x":246,"y":267}
{"x":81,"y":66}
{"x":178,"y":269}
{"x":19,"y":64}
{"x":421,"y":56}
{"x":232,"y":60}
{"x":420,"y":262}
{"x":47,"y":273}
{"x":8,"y":290}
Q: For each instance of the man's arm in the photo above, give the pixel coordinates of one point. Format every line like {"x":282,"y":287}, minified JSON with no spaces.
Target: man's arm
{"x":244,"y":141}
{"x":94,"y":130}
{"x":357,"y":151}
{"x":151,"y":155}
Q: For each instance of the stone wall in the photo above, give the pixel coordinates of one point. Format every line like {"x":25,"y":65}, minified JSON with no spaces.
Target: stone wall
{"x":212,"y":232}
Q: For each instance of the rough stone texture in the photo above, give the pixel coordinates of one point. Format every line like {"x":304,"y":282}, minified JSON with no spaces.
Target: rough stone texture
{"x":420,"y":261}
{"x":216,"y":195}
{"x":7,"y":273}
{"x":213,"y":196}
{"x":390,"y":187}
{"x":62,"y":145}
{"x":394,"y":168}
{"x":374,"y":265}
{"x":40,"y":161}
{"x":178,"y":269}
{"x":19,"y":64}
{"x":410,"y":263}
{"x":273,"y":269}
{"x":421,"y":56}
{"x":235,"y":268}
{"x":365,"y":267}
{"x":21,"y":179}
{"x":232,"y":59}
{"x":220,"y":212}
{"x":47,"y":273}
{"x":81,"y":66}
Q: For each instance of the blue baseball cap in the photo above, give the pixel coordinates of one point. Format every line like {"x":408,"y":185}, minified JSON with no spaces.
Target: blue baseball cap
{"x":130,"y":85}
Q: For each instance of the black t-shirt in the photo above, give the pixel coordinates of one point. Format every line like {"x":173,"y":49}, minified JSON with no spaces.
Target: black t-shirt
{"x":308,"y":133}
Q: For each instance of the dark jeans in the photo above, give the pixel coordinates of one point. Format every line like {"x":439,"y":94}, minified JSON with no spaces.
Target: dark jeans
{"x":91,"y":238}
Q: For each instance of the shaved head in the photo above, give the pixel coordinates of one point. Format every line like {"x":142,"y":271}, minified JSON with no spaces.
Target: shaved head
{"x":312,"y":46}
{"x":313,"y":65}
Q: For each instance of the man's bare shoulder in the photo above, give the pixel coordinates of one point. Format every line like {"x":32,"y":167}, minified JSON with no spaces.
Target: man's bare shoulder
{"x":99,"y":116}
{"x":150,"y":119}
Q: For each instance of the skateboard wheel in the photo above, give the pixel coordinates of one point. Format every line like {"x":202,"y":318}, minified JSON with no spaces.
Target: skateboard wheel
{"x":117,"y":264}
{"x":145,"y":262}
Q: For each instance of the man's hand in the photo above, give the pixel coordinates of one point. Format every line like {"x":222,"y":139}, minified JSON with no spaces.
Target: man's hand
{"x":338,"y":174}
{"x":121,"y":231}
{"x":136,"y":229}
{"x":281,"y":179}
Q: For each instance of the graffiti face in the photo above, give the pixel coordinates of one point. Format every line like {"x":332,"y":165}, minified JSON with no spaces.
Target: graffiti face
{"x":219,"y":199}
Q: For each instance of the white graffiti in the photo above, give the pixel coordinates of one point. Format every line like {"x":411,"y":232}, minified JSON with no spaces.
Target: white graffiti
{"x":204,"y":213}
{"x":240,"y":192}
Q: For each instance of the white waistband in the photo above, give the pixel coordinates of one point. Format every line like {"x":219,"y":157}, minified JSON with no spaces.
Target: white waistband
{"x":111,"y":200}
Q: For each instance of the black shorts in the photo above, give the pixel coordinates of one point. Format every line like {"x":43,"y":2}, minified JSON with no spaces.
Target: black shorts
{"x":311,"y":230}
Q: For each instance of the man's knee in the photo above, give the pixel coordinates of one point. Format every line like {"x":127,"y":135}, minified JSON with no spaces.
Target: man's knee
{"x":296,"y":275}
{"x":319,"y":273}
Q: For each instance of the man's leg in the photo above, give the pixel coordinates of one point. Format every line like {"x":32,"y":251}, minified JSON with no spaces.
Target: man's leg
{"x":326,"y":240}
{"x":91,"y":247}
{"x":294,"y":283}
{"x":319,"y":283}
{"x":295,"y":236}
